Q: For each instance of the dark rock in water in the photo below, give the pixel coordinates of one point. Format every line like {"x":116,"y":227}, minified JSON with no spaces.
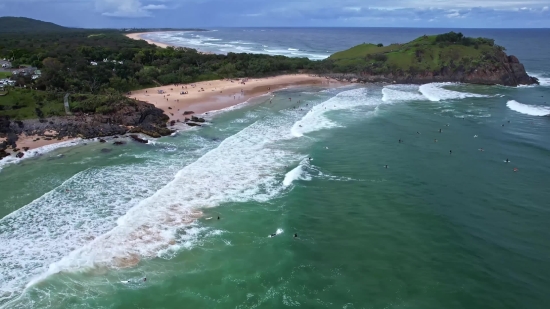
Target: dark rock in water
{"x":197,"y":119}
{"x":119,"y":143}
{"x":102,"y":141}
{"x":115,"y":136}
{"x":188,"y":113}
{"x":19,"y":155}
{"x":192,"y":124}
{"x":26,"y":148}
{"x":3,"y":154}
{"x":106,"y":150}
{"x":138,"y":139}
{"x":173,"y":123}
{"x":186,"y":119}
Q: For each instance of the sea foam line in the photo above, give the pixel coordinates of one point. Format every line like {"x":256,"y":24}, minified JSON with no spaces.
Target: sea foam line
{"x":531,"y":110}
{"x":241,"y":168}
{"x":38,"y":152}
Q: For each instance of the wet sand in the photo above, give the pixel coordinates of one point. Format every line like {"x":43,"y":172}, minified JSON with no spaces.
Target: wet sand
{"x":137,"y":36}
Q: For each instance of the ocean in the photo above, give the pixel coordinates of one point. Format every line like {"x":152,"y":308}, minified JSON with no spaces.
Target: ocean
{"x":439,"y":220}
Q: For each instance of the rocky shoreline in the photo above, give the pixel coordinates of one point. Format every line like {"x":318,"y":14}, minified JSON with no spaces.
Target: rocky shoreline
{"x":140,"y":117}
{"x":506,"y":71}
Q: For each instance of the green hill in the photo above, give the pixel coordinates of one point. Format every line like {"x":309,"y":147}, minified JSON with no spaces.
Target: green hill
{"x":445,"y":57}
{"x":23,"y":24}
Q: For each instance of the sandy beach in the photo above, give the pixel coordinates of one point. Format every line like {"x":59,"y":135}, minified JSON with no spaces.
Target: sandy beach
{"x":137,"y":36}
{"x":207,"y":96}
{"x":32,"y":142}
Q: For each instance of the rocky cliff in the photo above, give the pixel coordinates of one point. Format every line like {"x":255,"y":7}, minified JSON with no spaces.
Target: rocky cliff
{"x":139,"y":117}
{"x":430,"y":59}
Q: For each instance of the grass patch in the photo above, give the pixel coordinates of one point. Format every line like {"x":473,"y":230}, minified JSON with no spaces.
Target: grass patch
{"x":4,"y":74}
{"x":425,"y":53}
{"x":22,"y":104}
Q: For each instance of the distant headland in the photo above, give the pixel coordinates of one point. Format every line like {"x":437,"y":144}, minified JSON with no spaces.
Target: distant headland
{"x":58,"y":82}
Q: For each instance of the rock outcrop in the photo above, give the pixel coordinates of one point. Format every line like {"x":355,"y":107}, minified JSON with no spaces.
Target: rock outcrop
{"x":139,"y":117}
{"x":504,"y":70}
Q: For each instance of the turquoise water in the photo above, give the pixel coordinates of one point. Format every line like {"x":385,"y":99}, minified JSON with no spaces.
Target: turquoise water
{"x":433,"y":230}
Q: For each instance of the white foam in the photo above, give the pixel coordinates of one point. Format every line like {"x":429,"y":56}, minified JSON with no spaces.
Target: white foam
{"x":543,"y":80}
{"x":531,"y":110}
{"x":38,"y":152}
{"x":315,"y":119}
{"x":294,"y":174}
{"x":82,"y":208}
{"x":393,"y":95}
{"x":435,"y":92}
{"x":242,"y":168}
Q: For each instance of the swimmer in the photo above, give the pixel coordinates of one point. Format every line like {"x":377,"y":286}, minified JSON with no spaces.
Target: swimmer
{"x":272,"y":235}
{"x":310,"y":159}
{"x":144,"y":279}
{"x":218,"y":217}
{"x":475,"y":136}
{"x":507,"y":161}
{"x":439,"y":130}
{"x":435,"y":140}
{"x":295,"y":235}
{"x":450,"y":152}
{"x":417,"y":132}
{"x":400,"y":141}
{"x":515,"y":169}
{"x":481,"y":149}
{"x":386,"y":166}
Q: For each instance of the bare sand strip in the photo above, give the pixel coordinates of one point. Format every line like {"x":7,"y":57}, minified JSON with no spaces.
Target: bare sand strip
{"x":208,"y":96}
{"x":137,"y":36}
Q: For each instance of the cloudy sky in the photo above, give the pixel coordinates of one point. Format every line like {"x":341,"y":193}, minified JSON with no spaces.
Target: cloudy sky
{"x":286,"y":13}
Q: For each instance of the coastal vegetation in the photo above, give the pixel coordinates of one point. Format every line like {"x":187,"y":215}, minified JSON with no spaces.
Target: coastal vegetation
{"x":97,"y":66}
{"x":424,"y":54}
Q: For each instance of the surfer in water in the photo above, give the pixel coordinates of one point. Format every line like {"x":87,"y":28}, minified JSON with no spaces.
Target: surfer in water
{"x":507,"y":161}
{"x":386,"y":166}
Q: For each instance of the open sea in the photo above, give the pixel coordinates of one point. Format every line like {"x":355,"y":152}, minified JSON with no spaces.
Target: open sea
{"x":440,"y":220}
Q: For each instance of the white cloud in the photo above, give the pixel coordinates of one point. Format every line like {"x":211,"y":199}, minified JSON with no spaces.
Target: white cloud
{"x":126,"y":8}
{"x":155,"y":7}
{"x":544,"y":9}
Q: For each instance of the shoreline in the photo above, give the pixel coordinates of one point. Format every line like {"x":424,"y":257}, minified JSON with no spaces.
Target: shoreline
{"x":201,"y":98}
{"x":209,"y":96}
{"x":138,"y":36}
